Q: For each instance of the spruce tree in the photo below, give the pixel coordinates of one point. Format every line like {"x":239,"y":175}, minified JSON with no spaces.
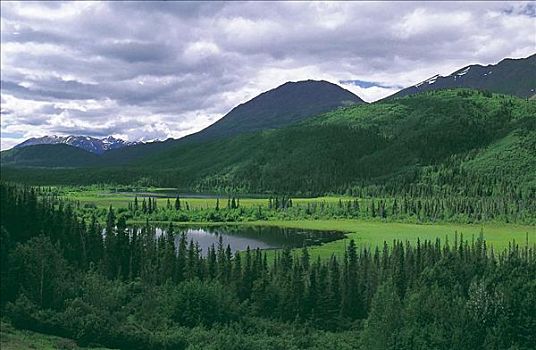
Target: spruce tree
{"x":177,"y":203}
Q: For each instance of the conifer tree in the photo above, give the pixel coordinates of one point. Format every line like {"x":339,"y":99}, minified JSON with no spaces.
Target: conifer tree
{"x":110,"y":245}
{"x":181,"y":271}
{"x":177,"y":203}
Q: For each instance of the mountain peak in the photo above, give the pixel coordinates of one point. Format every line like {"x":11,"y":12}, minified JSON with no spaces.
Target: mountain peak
{"x":286,"y":104}
{"x":511,"y":76}
{"x":87,"y":143}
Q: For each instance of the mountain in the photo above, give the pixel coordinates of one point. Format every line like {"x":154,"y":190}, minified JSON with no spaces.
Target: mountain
{"x":510,"y":76}
{"x":287,"y":104}
{"x":284,"y":105}
{"x":90,"y":144}
{"x":452,"y":135}
{"x":48,"y":155}
{"x":383,"y":142}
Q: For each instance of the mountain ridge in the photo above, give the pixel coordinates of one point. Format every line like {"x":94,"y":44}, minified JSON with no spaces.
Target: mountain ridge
{"x":336,"y":97}
{"x":312,"y":152}
{"x":86,"y":143}
{"x":286,"y":104}
{"x":511,"y":76}
{"x":58,"y":155}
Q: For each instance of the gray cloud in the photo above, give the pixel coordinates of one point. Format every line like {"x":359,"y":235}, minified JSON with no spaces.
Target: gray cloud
{"x":134,"y":52}
{"x":166,"y":69}
{"x":53,"y":89}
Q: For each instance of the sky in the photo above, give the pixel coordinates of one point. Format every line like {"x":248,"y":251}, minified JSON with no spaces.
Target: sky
{"x":153,"y":70}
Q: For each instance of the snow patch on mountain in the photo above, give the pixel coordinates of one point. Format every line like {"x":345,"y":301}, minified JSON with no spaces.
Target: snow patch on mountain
{"x":429,"y":80}
{"x":462,"y":72}
{"x":87,"y":143}
{"x":432,"y":79}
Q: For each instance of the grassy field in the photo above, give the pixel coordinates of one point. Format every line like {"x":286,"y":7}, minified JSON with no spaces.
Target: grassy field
{"x":365,"y":233}
{"x":372,"y":234}
{"x":15,"y":339}
{"x":121,"y":199}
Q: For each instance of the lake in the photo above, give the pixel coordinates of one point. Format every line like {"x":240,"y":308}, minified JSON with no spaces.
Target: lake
{"x":239,"y":237}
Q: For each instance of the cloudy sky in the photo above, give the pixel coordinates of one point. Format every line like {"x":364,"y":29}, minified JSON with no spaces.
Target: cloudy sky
{"x":152,"y":70}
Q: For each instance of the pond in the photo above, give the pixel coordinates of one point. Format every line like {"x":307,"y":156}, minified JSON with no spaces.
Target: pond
{"x":239,"y":237}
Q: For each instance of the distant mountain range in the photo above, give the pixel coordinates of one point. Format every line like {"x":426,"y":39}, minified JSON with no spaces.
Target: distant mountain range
{"x":290,"y":103}
{"x":293,"y":102}
{"x":276,"y":108}
{"x":510,"y":76}
{"x":470,"y":133}
{"x":315,"y":137}
{"x":90,"y":144}
{"x":57,"y":155}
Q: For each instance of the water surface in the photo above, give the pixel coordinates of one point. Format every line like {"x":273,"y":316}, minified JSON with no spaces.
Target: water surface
{"x":263,"y":237}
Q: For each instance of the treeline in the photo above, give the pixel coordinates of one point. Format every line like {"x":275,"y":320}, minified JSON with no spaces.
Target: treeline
{"x":148,"y":205}
{"x":449,"y":178}
{"x":61,"y":275}
{"x":403,"y":208}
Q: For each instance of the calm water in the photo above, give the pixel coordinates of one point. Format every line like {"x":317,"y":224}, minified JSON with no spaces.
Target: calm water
{"x":263,"y":237}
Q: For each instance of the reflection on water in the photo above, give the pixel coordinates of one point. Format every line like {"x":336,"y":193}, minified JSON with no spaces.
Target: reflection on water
{"x":263,"y":237}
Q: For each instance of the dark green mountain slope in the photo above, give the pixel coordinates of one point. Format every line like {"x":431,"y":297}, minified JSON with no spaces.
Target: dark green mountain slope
{"x":510,"y":76}
{"x":440,"y":137}
{"x":284,"y":105}
{"x":363,"y":143}
{"x":57,"y":155}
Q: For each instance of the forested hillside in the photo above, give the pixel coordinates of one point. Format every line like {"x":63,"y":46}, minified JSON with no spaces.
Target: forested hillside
{"x":449,"y":140}
{"x":49,"y":155}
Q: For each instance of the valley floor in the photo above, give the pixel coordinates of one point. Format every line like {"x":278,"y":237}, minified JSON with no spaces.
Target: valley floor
{"x":374,"y":233}
{"x":365,"y":232}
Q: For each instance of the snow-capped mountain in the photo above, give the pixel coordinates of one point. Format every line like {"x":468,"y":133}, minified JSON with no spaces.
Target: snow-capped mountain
{"x":87,"y":143}
{"x":510,"y":76}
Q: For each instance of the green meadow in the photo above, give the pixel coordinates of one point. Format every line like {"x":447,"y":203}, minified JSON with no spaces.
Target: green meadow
{"x":373,"y":233}
{"x":366,"y":233}
{"x":121,"y":199}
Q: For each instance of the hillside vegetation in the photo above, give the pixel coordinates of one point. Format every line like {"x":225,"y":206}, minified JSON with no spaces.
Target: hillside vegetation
{"x":15,"y":339}
{"x":437,"y":138}
{"x":55,"y":156}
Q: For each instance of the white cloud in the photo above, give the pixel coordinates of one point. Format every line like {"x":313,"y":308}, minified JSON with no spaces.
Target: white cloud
{"x":40,"y":11}
{"x":371,"y":94}
{"x":424,"y":21}
{"x":8,"y":142}
{"x":200,"y":50}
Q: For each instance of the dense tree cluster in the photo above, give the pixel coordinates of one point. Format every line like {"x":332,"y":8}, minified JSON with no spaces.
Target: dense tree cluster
{"x":135,"y":289}
{"x":516,"y":209}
